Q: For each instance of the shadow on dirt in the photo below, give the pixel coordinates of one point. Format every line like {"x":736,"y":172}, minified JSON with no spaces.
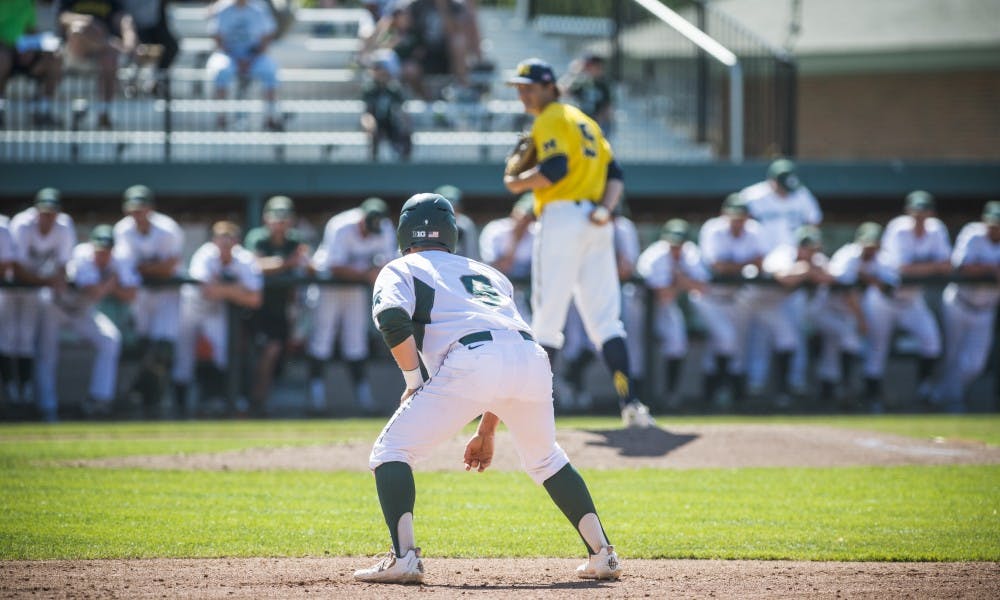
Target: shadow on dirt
{"x":651,"y":441}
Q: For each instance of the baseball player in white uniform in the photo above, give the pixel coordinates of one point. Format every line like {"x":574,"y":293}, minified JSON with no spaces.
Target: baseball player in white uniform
{"x":229,"y":275}
{"x":465,"y":352}
{"x":507,"y":248}
{"x":43,"y":242}
{"x":781,"y":204}
{"x":970,"y":308}
{"x":356,"y":243}
{"x":732,"y":245}
{"x":468,"y":234}
{"x":857,"y":269}
{"x":672,"y":266}
{"x":916,"y":244}
{"x":792,"y":267}
{"x":6,"y":319}
{"x":94,"y":274}
{"x":154,"y":243}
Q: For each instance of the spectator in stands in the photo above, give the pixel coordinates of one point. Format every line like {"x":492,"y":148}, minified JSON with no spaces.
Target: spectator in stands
{"x":152,"y":27}
{"x":229,"y":277}
{"x":101,"y":31}
{"x":393,"y":31}
{"x":95,"y":274}
{"x":447,"y":39}
{"x":243,"y":30}
{"x":26,"y":52}
{"x":468,"y":235}
{"x":280,"y":253}
{"x":384,"y":117}
{"x":154,"y":243}
{"x":590,"y":90}
{"x":44,"y":238}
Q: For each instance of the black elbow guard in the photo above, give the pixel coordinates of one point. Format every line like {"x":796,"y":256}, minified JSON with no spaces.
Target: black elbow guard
{"x":395,"y":326}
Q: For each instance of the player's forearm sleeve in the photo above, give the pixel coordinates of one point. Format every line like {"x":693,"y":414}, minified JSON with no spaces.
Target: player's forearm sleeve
{"x":554,"y":167}
{"x":615,"y":171}
{"x":395,"y":326}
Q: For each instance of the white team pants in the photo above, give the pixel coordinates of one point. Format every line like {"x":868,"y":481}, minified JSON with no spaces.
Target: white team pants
{"x":99,"y":331}
{"x":671,"y":330}
{"x":883,"y":314}
{"x":22,"y":315}
{"x":726,"y":320}
{"x":574,"y":260}
{"x":157,"y":314}
{"x":214,"y":325}
{"x":968,"y":334}
{"x":838,"y":330}
{"x":509,"y":377}
{"x":345,"y":310}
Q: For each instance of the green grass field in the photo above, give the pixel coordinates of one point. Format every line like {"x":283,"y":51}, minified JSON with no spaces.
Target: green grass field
{"x":52,"y":510}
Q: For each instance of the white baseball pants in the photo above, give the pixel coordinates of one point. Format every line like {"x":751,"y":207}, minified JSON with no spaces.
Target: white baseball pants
{"x":214,"y":325}
{"x":343,"y":310}
{"x":22,"y":316}
{"x":509,"y":377}
{"x":574,"y":260}
{"x":838,"y":331}
{"x":157,"y":314}
{"x":883,"y":314}
{"x":726,"y":320}
{"x":968,"y":334}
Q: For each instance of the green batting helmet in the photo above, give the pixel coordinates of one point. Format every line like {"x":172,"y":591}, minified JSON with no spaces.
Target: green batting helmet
{"x":427,"y":220}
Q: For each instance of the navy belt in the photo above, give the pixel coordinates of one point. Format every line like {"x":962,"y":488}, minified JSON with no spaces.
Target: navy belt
{"x":486,"y":336}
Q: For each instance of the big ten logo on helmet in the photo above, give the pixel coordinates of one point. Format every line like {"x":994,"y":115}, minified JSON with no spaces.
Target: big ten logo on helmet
{"x":426,"y":234}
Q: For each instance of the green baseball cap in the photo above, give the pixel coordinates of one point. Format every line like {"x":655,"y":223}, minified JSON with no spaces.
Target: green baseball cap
{"x":102,"y":236}
{"x":783,"y":171}
{"x":375,"y":211}
{"x":280,"y":207}
{"x":451,"y":194}
{"x":48,"y":200}
{"x":919,"y":200}
{"x":136,"y":197}
{"x":809,"y":235}
{"x":735,"y":205}
{"x":868,"y":234}
{"x":991,"y":213}
{"x":675,"y":231}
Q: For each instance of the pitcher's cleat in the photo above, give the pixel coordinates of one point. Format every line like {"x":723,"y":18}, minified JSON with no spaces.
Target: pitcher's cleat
{"x":392,"y":569}
{"x":636,"y":414}
{"x":603,"y":565}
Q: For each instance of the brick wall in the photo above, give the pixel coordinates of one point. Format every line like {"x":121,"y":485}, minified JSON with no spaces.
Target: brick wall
{"x":900,"y":115}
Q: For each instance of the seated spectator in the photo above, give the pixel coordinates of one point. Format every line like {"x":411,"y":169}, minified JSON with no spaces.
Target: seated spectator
{"x":243,"y":30}
{"x":98,"y":30}
{"x":590,"y":90}
{"x":393,"y":31}
{"x":446,"y":39}
{"x":23,"y":51}
{"x":152,"y":27}
{"x":384,"y":117}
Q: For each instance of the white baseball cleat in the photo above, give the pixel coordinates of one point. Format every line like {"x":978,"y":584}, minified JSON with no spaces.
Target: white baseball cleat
{"x":636,"y":414}
{"x":392,"y":569}
{"x":603,"y":565}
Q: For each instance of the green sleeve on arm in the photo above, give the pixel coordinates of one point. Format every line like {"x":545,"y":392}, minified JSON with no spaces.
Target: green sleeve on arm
{"x":395,"y":326}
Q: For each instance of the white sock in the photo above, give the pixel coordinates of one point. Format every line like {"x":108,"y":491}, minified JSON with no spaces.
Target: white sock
{"x":405,"y":532}
{"x":592,"y":532}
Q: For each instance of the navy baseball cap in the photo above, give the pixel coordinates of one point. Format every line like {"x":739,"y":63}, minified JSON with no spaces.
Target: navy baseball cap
{"x":675,"y":231}
{"x":103,"y":236}
{"x":783,"y":171}
{"x":868,"y":234}
{"x":991,"y":213}
{"x":533,"y":70}
{"x":136,"y":197}
{"x":48,"y":200}
{"x":919,"y":200}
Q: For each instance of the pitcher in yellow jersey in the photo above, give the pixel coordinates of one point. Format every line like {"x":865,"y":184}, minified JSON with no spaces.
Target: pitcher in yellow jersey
{"x":577,"y":184}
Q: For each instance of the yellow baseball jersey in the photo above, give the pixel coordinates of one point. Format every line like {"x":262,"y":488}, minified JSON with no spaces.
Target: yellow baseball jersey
{"x":562,"y":129}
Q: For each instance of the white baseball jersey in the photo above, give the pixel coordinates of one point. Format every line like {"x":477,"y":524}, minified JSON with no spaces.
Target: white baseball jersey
{"x":778,"y":216}
{"x":718,"y":244}
{"x":6,"y":314}
{"x":659,"y":269}
{"x":83,"y":272}
{"x":344,"y":245}
{"x":903,"y":247}
{"x":164,"y":240}
{"x":848,"y":265}
{"x":42,"y":254}
{"x":474,"y":297}
{"x":6,"y":241}
{"x":449,"y":296}
{"x":241,"y":28}
{"x":974,"y":247}
{"x":206,"y":265}
{"x":495,"y":239}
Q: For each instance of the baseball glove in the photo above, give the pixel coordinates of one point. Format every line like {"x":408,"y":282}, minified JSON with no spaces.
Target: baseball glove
{"x":522,"y":157}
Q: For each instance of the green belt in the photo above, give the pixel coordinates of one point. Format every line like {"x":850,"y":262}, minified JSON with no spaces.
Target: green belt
{"x":486,"y":336}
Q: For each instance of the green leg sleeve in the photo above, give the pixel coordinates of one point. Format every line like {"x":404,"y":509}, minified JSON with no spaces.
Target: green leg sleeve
{"x":568,"y":490}
{"x":397,"y":494}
